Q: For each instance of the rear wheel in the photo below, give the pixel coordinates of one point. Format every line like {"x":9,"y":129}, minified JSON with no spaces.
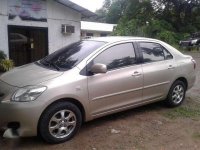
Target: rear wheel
{"x":60,"y":122}
{"x":176,"y":94}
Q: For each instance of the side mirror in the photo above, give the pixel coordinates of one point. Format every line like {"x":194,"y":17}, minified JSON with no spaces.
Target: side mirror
{"x":99,"y":68}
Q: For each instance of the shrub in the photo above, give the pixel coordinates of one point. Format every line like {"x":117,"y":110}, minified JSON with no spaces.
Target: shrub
{"x":2,"y":55}
{"x":167,"y":36}
{"x":6,"y":64}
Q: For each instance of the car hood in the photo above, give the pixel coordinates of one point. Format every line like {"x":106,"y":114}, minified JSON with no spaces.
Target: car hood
{"x":30,"y":74}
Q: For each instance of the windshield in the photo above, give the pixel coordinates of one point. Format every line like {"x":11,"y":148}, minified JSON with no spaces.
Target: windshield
{"x":69,"y":56}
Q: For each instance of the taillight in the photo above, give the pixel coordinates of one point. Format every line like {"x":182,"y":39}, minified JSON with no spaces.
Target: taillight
{"x":194,"y":62}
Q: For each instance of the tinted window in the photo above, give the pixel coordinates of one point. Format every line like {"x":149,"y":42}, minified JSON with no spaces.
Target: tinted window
{"x":152,"y":52}
{"x":117,"y":56}
{"x":167,"y":54}
{"x":67,"y":57}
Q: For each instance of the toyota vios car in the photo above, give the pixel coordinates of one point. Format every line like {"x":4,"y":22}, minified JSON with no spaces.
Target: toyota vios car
{"x":89,"y":79}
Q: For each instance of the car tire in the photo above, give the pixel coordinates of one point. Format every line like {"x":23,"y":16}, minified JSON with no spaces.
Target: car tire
{"x":176,"y":94}
{"x":60,"y":122}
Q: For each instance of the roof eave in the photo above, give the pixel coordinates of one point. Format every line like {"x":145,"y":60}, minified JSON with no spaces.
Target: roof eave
{"x":85,"y":12}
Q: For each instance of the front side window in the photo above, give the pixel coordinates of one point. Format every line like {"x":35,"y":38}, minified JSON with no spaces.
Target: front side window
{"x":153,"y":52}
{"x":117,"y":56}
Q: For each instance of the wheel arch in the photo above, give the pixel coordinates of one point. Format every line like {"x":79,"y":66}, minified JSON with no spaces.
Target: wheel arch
{"x":71,"y":100}
{"x":184,"y":80}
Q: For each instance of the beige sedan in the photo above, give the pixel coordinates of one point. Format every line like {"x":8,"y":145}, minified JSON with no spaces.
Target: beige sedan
{"x":89,"y":79}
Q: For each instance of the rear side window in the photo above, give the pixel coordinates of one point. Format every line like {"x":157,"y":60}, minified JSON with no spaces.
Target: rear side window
{"x":153,"y":52}
{"x":167,"y":54}
{"x":117,"y":56}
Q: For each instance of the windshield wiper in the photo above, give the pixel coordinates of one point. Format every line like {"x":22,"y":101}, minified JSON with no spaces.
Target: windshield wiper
{"x":52,"y":64}
{"x":55,"y":66}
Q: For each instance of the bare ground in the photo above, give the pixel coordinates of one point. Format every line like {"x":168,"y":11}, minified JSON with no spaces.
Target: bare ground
{"x":151,"y":127}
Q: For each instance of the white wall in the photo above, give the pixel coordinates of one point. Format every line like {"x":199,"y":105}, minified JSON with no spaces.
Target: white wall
{"x":57,"y":14}
{"x":3,"y":26}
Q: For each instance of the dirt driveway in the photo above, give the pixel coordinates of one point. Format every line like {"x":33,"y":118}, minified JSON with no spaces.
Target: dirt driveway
{"x":152,"y":127}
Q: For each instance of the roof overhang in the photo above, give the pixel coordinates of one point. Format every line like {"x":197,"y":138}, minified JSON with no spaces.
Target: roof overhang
{"x":85,"y":12}
{"x":97,"y":26}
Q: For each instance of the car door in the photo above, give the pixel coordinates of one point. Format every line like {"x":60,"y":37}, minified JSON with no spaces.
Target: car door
{"x":121,"y":86}
{"x":158,"y":70}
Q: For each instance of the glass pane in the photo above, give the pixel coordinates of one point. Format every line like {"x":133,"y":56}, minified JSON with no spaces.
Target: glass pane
{"x":167,"y":54}
{"x":69,"y":56}
{"x":117,"y":56}
{"x":152,"y":52}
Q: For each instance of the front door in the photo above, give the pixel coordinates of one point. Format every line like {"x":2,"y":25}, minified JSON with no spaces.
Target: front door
{"x":27,"y":44}
{"x":121,"y":86}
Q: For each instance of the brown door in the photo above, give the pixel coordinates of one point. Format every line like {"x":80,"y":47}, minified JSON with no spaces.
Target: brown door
{"x":27,"y":44}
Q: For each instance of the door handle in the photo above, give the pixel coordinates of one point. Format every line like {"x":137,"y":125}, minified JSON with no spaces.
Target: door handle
{"x":136,"y":74}
{"x":171,"y":67}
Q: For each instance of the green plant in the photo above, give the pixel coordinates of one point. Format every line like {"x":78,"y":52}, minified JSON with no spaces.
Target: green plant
{"x":6,"y":64}
{"x":183,"y":112}
{"x":2,"y":55}
{"x":196,"y":135}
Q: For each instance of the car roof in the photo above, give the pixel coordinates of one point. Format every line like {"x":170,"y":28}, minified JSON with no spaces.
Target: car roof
{"x":115,"y":39}
{"x":112,"y":39}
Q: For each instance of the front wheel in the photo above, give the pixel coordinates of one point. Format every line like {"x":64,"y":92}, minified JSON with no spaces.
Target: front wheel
{"x":60,"y":122}
{"x":176,"y":94}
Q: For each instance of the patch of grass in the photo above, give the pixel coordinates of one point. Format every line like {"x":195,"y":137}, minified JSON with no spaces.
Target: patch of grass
{"x":196,"y":135}
{"x":183,"y":112}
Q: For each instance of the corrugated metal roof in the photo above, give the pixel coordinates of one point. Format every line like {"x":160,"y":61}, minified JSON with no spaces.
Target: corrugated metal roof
{"x":96,"y":26}
{"x":85,"y":12}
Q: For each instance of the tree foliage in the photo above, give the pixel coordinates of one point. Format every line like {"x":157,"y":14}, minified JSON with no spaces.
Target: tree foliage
{"x":168,"y":20}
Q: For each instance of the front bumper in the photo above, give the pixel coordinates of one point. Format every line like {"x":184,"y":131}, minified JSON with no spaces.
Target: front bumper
{"x":25,"y":114}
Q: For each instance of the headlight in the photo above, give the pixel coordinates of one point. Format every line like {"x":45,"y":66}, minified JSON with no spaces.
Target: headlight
{"x":194,"y":41}
{"x":28,"y":93}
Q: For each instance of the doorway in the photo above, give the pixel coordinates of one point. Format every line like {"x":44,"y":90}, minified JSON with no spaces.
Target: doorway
{"x":27,"y":44}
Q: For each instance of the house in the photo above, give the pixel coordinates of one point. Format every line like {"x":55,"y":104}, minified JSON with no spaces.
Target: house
{"x":90,"y":29}
{"x":32,"y":29}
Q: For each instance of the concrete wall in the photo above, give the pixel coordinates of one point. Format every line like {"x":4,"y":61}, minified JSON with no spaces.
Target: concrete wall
{"x":57,"y":14}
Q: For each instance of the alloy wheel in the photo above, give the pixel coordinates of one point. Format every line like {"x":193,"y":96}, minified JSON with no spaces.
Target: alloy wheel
{"x":178,"y":94}
{"x":62,"y":123}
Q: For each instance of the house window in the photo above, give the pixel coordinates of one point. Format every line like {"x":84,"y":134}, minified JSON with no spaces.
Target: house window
{"x":89,"y":34}
{"x":103,"y":34}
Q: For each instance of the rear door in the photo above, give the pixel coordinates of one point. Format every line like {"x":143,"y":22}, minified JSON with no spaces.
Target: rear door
{"x":121,"y":86}
{"x":158,"y":70}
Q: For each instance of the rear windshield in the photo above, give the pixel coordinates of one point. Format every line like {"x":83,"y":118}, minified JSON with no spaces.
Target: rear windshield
{"x":69,"y":56}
